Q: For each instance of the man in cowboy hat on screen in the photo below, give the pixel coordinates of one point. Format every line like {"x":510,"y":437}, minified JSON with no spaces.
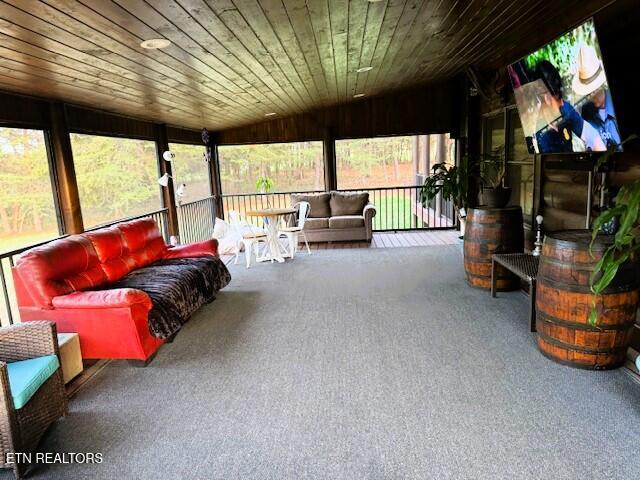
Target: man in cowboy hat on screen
{"x":590,"y":79}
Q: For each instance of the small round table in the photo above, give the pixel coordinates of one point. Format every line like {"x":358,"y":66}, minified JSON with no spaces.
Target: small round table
{"x":272,"y":218}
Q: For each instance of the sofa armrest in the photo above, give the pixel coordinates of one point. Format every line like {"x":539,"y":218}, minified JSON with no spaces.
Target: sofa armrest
{"x":369,"y":212}
{"x":206,"y":248}
{"x":116,"y":298}
{"x":28,"y":340}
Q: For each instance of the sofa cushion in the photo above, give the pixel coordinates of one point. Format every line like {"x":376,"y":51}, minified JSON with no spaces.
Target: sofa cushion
{"x":112,"y":252}
{"x":176,"y":287}
{"x":318,"y":202}
{"x":346,"y":221}
{"x":27,"y":376}
{"x":348,"y":203}
{"x":143,"y":240}
{"x":316,"y":223}
{"x":60,"y":267}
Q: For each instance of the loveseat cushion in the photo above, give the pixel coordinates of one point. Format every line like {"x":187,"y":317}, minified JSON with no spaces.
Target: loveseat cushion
{"x":60,"y":267}
{"x":347,"y":221}
{"x":318,"y":203}
{"x":112,"y":252}
{"x":347,"y":203}
{"x":27,"y":376}
{"x":143,"y":241}
{"x":316,"y":223}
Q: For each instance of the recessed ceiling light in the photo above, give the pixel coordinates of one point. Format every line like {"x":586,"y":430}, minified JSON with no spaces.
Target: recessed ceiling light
{"x":155,"y":43}
{"x":364,"y":69}
{"x":359,"y":95}
{"x":270,"y":114}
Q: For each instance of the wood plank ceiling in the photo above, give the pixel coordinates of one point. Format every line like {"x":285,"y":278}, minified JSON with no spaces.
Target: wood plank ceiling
{"x":230,"y":62}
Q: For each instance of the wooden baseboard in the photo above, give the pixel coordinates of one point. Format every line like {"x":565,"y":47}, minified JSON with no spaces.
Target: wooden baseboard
{"x":91,"y":369}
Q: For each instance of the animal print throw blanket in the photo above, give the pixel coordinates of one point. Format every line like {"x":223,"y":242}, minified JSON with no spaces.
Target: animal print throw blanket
{"x":177,"y":287}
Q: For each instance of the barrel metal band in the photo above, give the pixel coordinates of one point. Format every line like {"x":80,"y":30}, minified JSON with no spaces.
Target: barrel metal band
{"x":581,"y":326}
{"x":577,"y":348}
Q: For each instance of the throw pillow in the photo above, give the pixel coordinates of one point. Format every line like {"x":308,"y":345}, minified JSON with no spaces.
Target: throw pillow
{"x":318,"y":202}
{"x":343,"y":203}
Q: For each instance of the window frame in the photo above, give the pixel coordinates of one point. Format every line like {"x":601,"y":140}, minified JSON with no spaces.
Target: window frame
{"x":408,"y":135}
{"x":158,"y":158}
{"x":51,"y":164}
{"x":219,"y":166}
{"x":209,"y":171}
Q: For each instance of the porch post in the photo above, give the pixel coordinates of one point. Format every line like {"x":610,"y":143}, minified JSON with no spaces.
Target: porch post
{"x":214,"y":178}
{"x":64,"y":173}
{"x":330,"y":178}
{"x":427,"y":154}
{"x":168,"y":193}
{"x":415,"y":155}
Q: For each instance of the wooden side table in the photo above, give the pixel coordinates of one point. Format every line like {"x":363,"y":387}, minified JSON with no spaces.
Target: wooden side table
{"x":525,"y":266}
{"x":70,"y":356}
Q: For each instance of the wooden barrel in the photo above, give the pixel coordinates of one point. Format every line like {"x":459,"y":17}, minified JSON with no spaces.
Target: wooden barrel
{"x":489,"y":231}
{"x":564,"y":298}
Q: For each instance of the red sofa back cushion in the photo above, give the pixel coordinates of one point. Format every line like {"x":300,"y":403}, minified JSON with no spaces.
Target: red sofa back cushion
{"x":112,"y":252}
{"x":60,"y":267}
{"x":90,"y":260}
{"x":143,"y":241}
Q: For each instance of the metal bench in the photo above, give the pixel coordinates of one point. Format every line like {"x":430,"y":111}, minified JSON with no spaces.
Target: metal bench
{"x":523,"y":265}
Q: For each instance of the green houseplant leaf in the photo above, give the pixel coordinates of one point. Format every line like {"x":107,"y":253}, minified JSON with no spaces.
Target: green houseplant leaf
{"x":626,"y":240}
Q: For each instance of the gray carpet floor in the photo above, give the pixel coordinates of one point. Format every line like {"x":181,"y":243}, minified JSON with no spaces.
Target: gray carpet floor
{"x":354,"y":364}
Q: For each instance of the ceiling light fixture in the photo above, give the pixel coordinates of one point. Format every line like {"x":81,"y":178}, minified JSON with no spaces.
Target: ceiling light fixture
{"x":270,"y":114}
{"x":359,"y":95}
{"x":155,"y":43}
{"x":364,"y":69}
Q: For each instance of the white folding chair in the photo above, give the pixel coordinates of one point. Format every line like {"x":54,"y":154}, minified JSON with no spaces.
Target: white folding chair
{"x":250,"y":237}
{"x":293,"y":233}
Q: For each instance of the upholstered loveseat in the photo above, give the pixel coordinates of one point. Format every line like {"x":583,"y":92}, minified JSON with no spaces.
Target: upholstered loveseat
{"x":337,"y":216}
{"x":76,"y":282}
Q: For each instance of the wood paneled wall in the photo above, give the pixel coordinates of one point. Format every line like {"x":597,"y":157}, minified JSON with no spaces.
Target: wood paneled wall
{"x":430,"y":109}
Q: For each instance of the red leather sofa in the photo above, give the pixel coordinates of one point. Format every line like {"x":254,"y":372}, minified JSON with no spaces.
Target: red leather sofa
{"x":50,"y":281}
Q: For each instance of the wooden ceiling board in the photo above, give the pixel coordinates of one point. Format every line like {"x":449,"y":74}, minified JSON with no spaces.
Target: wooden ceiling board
{"x":230,"y":62}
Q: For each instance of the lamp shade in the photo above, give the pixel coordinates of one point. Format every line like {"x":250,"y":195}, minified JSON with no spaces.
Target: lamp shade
{"x":168,"y":156}
{"x":164,"y":179}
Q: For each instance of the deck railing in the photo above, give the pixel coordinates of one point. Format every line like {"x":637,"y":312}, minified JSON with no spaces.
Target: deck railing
{"x":398,"y":208}
{"x":196,"y":219}
{"x":8,"y":304}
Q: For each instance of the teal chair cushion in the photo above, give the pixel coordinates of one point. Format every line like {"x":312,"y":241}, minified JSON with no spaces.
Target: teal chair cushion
{"x":27,"y":376}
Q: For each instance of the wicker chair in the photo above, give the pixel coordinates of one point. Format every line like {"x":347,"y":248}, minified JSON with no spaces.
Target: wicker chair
{"x":22,"y":429}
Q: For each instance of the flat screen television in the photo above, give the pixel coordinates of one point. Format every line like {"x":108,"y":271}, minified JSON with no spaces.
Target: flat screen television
{"x":563,"y":96}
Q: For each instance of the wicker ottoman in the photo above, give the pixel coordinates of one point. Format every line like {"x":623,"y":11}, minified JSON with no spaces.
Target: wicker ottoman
{"x":70,"y":356}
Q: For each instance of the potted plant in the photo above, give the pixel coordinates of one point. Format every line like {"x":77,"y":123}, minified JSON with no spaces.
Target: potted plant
{"x":622,"y":222}
{"x":494,"y":193}
{"x":452,"y":182}
{"x":264,"y":185}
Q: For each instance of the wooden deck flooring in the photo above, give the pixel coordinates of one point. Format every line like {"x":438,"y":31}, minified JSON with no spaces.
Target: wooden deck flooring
{"x":413,"y":238}
{"x":416,"y":238}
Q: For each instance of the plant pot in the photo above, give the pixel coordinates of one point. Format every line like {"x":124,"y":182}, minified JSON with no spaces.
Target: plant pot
{"x":496,"y":197}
